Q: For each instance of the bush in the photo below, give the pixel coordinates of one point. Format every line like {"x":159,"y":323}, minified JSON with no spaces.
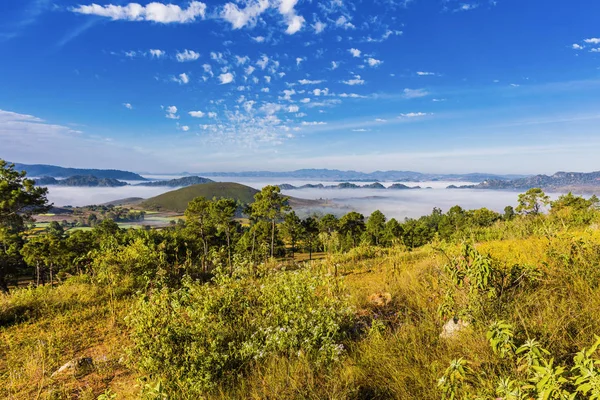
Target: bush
{"x":204,"y":334}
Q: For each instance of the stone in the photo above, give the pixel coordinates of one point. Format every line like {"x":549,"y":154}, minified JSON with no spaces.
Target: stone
{"x":453,"y":327}
{"x":79,"y":366}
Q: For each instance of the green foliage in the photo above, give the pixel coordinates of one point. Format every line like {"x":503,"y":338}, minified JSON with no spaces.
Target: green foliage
{"x":203,"y":334}
{"x":532,"y":202}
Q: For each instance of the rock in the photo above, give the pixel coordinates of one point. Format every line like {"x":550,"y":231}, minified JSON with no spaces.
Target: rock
{"x":79,"y":366}
{"x":380,"y":299}
{"x":453,"y":327}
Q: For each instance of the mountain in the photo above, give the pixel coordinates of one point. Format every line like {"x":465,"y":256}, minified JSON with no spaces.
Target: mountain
{"x":80,"y":181}
{"x":560,"y":181}
{"x":356,"y":176}
{"x":61,"y":172}
{"x":177,"y":200}
{"x":180,"y":182}
{"x":346,"y":185}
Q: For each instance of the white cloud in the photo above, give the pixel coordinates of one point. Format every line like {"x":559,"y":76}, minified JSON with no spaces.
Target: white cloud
{"x":357,"y":80}
{"x":514,"y":85}
{"x":295,"y":22}
{"x":208,"y":69}
{"x":249,"y":70}
{"x":313,"y":123}
{"x":343,"y":22}
{"x":321,"y":92}
{"x":128,"y":106}
{"x":374,"y":62}
{"x":156,"y":53}
{"x":287,"y":94}
{"x":305,"y":100}
{"x":383,"y":37}
{"x":262,"y":63}
{"x":241,"y":60}
{"x":182,"y":79}
{"x":187,"y":55}
{"x":218,"y":57}
{"x":299,"y":60}
{"x":596,"y":50}
{"x":352,"y":95}
{"x":171,"y":112}
{"x":380,"y":120}
{"x":354,"y":52}
{"x":360,"y":130}
{"x":334,"y":65}
{"x":413,"y":115}
{"x":242,"y":17}
{"x":592,"y":40}
{"x":293,"y":109}
{"x":424,"y":73}
{"x":185,"y":128}
{"x":467,"y":7}
{"x":319,"y":26}
{"x":265,"y":90}
{"x":197,"y":114}
{"x":226,"y":78}
{"x":577,"y":46}
{"x":154,"y":12}
{"x":414,"y":93}
{"x":309,"y":82}
{"x":259,"y":39}
{"x":212,"y":115}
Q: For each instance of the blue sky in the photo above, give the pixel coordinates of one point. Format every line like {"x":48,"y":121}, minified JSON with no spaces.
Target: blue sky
{"x":500,"y":86}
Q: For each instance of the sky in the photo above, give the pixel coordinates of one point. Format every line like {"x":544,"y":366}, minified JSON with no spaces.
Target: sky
{"x":455,"y":86}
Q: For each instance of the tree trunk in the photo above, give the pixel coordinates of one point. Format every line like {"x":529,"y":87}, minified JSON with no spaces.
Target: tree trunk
{"x":229,"y":252}
{"x":37,"y":273}
{"x":273,"y":238}
{"x":52,"y":275}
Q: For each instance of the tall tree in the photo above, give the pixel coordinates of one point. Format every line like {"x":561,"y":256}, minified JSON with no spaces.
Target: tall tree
{"x":376,"y":227}
{"x":532,"y":201}
{"x":200,"y":224}
{"x":20,"y":199}
{"x":270,"y":205}
{"x":292,"y":229}
{"x":310,"y":228}
{"x":353,"y":225}
{"x":223,"y":214}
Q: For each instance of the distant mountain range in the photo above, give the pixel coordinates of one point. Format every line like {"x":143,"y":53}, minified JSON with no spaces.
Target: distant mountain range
{"x":40,"y":170}
{"x":80,"y":181}
{"x":356,"y":176}
{"x":180,"y":182}
{"x":560,"y":181}
{"x":347,"y":185}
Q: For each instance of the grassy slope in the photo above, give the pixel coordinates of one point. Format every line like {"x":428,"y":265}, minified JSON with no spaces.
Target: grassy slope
{"x":177,"y":200}
{"x":77,"y":319}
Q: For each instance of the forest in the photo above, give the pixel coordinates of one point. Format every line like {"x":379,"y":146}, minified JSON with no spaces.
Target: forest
{"x":251,"y":301}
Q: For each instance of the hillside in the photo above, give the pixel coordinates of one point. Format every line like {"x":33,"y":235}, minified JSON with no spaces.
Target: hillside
{"x":62,"y":172}
{"x":560,"y":181}
{"x":80,"y":181}
{"x":346,"y":185}
{"x":179,"y":182}
{"x":177,"y":200}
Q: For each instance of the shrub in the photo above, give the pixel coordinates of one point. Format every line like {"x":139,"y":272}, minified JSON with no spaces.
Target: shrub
{"x":203,"y":334}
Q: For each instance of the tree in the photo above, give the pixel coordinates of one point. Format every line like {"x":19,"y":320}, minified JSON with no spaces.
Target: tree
{"x":509,"y":213}
{"x":353,"y":225}
{"x":200,"y":224}
{"x":20,"y":199}
{"x":270,"y":205}
{"x":393,"y":231}
{"x":375,"y":227}
{"x":292,"y":229}
{"x":532,"y":201}
{"x":223,"y":213}
{"x":310,"y":233}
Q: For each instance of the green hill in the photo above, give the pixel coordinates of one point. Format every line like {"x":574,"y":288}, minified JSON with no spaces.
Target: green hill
{"x":177,"y":200}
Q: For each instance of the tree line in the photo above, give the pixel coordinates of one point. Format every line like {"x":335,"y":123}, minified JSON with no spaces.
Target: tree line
{"x":213,"y":236}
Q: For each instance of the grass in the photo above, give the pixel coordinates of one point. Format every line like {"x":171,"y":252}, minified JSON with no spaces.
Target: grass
{"x":41,"y":329}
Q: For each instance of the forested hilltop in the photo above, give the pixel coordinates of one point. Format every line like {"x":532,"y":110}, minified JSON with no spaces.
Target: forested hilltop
{"x":238,"y":302}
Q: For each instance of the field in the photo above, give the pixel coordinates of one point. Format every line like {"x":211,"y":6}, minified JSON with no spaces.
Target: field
{"x":395,"y":295}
